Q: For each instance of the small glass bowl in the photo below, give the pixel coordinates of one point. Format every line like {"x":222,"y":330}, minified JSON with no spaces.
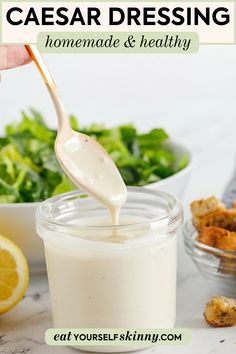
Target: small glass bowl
{"x":218,"y":267}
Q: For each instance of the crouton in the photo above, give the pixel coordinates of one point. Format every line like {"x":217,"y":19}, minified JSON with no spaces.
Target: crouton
{"x":218,"y":237}
{"x":220,"y":311}
{"x":225,"y":219}
{"x":202,"y":207}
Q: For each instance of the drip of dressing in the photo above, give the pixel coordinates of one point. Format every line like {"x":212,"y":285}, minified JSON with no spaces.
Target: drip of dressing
{"x":82,"y":158}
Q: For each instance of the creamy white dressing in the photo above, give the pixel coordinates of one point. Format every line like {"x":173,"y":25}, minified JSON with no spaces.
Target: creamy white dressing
{"x":88,"y":165}
{"x":98,"y":282}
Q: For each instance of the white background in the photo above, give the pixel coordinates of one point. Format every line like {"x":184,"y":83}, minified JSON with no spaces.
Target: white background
{"x":193,"y":96}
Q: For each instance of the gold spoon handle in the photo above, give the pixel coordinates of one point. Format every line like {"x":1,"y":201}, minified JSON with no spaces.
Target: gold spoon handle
{"x":47,"y":78}
{"x":42,"y":67}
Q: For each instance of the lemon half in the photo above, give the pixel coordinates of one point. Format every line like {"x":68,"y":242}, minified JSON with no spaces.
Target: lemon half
{"x":14,"y":274}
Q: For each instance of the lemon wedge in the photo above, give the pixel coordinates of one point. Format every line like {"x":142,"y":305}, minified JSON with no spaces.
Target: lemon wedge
{"x":14,"y":274}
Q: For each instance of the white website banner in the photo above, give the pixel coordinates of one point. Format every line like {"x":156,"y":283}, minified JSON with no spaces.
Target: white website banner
{"x":212,"y":21}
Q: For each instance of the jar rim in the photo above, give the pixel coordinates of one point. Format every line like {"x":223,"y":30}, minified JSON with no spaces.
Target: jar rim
{"x":174,"y":214}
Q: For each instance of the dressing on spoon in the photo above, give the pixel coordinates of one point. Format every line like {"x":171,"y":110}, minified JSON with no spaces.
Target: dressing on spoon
{"x":83,"y":159}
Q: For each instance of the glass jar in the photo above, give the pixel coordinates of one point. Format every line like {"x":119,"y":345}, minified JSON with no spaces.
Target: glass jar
{"x":106,"y":276}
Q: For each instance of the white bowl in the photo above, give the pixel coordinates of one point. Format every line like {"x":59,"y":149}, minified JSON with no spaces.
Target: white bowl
{"x":17,"y":221}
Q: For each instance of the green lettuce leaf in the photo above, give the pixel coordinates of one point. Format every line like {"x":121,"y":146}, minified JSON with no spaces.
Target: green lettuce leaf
{"x":30,"y":172}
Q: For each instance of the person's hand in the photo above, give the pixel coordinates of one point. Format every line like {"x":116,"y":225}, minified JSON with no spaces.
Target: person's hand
{"x":12,"y":56}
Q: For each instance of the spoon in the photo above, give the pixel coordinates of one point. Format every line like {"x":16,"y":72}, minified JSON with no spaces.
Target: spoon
{"x":82,"y":158}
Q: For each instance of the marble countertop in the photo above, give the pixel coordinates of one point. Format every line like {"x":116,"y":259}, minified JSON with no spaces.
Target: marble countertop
{"x":22,"y":329}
